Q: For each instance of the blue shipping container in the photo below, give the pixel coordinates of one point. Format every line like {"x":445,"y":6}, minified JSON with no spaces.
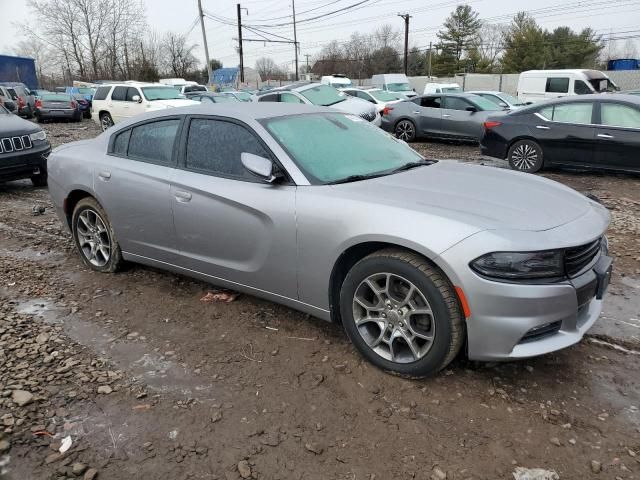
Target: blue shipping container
{"x":18,"y":69}
{"x":623,"y":64}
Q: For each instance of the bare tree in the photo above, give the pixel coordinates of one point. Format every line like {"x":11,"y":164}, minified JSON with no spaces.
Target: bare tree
{"x":267,"y":68}
{"x":177,"y":55}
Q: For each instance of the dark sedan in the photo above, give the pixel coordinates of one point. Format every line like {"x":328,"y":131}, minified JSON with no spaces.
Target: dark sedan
{"x":204,"y":97}
{"x":84,"y":105}
{"x":594,"y":132}
{"x":57,"y":106}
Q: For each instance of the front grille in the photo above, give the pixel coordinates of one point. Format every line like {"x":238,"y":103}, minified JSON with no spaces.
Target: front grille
{"x":577,"y":258}
{"x":368,"y":116}
{"x":542,"y":331}
{"x":15,"y":144}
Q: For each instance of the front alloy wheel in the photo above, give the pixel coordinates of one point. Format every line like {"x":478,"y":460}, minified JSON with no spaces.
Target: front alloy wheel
{"x":526,"y":156}
{"x":106,"y":122}
{"x":405,"y":130}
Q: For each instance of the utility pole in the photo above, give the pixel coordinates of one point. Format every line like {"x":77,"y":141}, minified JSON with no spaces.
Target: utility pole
{"x":204,"y":38}
{"x":295,"y":37}
{"x":240,"y":44}
{"x":308,"y":72}
{"x":430,"y":53}
{"x":406,"y":18}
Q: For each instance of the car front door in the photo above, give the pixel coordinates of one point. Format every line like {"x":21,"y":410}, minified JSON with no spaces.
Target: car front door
{"x":132,"y":182}
{"x":618,"y":136}
{"x":427,"y":112}
{"x":134,"y":107}
{"x":566,"y":133}
{"x":229,"y":224}
{"x":118,"y":106}
{"x":457,"y":121}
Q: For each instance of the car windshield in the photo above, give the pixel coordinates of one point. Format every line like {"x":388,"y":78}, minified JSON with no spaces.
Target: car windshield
{"x":398,"y":87}
{"x":341,"y":84}
{"x":161,"y":93}
{"x":244,"y":96}
{"x":451,"y":89}
{"x":603,"y":85}
{"x":330,"y":147}
{"x":382,"y":95}
{"x":511,"y":99}
{"x":225,"y":98}
{"x":323,"y":95}
{"x":485,"y":104}
{"x":3,"y":111}
{"x":87,"y":91}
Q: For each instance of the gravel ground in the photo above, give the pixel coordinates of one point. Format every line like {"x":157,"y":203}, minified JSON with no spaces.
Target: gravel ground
{"x":148,"y":380}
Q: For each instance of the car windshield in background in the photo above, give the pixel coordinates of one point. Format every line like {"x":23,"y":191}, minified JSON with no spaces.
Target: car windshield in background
{"x":511,"y":99}
{"x":161,"y":93}
{"x":383,"y":96}
{"x":451,"y":89}
{"x":332,"y":147}
{"x":55,"y":97}
{"x":603,"y":85}
{"x":398,"y":87}
{"x":244,"y":96}
{"x":341,"y":84}
{"x":323,"y":95}
{"x":3,"y":111}
{"x":485,"y":104}
{"x":87,"y":91}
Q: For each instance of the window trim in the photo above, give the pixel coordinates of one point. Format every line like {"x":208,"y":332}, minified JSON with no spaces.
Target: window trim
{"x":612,"y":127}
{"x":174,"y":151}
{"x":181,"y":163}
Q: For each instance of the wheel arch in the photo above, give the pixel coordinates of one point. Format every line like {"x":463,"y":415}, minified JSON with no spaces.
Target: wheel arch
{"x":72,"y":199}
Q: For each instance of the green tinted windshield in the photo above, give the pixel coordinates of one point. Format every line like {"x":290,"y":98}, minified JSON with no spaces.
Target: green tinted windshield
{"x":161,"y":93}
{"x":329,"y":147}
{"x":485,"y":104}
{"x":86,"y":91}
{"x":398,"y":87}
{"x":243,"y":96}
{"x":323,"y":95}
{"x":383,"y":96}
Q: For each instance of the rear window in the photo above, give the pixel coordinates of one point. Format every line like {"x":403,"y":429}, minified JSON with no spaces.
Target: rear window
{"x":557,"y":85}
{"x":55,"y":97}
{"x":154,"y":141}
{"x":101,"y":93}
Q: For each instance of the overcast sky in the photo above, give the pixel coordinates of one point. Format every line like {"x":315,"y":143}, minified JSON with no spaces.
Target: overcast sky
{"x":613,"y":17}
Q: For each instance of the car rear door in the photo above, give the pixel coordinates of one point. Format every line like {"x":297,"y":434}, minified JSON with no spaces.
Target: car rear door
{"x":229,"y":224}
{"x":117,"y":105}
{"x":132,"y":182}
{"x":618,"y":136}
{"x":566,"y":133}
{"x":427,"y":112}
{"x":457,"y":121}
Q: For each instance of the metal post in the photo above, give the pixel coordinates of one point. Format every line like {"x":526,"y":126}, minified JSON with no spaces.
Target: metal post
{"x":240,"y":44}
{"x":204,"y":38}
{"x":429,"y":68}
{"x":295,"y":37}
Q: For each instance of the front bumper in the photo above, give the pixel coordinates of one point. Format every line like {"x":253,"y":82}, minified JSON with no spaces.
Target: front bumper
{"x":24,"y":164}
{"x":511,"y":320}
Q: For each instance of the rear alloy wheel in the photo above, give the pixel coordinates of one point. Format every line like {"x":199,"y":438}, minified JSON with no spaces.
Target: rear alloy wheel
{"x":526,"y":156}
{"x":405,"y":130}
{"x":106,"y":121}
{"x":94,"y":237}
{"x":401,"y":313}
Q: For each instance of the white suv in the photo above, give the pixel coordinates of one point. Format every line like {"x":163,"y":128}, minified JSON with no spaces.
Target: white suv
{"x":116,"y":102}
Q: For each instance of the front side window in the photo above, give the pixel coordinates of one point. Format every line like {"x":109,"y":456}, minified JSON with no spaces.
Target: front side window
{"x":269,"y":98}
{"x":456,"y":103}
{"x":161,"y":93}
{"x":132,"y":92}
{"x":580,"y":113}
{"x":581,"y":88}
{"x":101,"y":93}
{"x":215,"y":147}
{"x":557,"y":85}
{"x":323,"y":95}
{"x":430,"y":102}
{"x":617,"y":115}
{"x":289,"y":98}
{"x":330,"y":147}
{"x":154,"y":141}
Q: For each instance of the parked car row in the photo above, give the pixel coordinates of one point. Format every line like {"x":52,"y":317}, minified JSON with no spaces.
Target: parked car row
{"x":20,"y":96}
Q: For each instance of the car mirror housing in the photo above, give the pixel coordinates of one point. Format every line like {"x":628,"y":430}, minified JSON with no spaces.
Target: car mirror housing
{"x":136,"y":98}
{"x":471,"y":109}
{"x":261,"y":167}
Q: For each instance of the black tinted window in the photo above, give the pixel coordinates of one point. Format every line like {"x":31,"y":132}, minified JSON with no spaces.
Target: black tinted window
{"x":121,"y":143}
{"x":132,"y":92}
{"x":101,"y":93}
{"x":119,"y":93}
{"x":154,"y":141}
{"x":456,"y":103}
{"x":557,"y":85}
{"x":430,"y":102}
{"x":268,"y":98}
{"x":215,"y":146}
{"x":581,"y":88}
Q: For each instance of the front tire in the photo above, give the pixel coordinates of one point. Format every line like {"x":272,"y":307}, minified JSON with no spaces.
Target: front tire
{"x":526,"y":156}
{"x":39,"y":180}
{"x":402,"y":313}
{"x":94,"y":237}
{"x":405,"y":130}
{"x":106,"y":121}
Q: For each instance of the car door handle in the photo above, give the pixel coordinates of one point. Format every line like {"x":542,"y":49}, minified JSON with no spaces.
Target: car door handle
{"x":182,"y":196}
{"x":445,"y":115}
{"x":416,"y":113}
{"x":104,"y":175}
{"x":542,"y":127}
{"x":605,"y":135}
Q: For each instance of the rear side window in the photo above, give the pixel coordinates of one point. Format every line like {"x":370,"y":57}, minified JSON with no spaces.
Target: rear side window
{"x":154,"y":141}
{"x":557,"y":85}
{"x":581,"y":88}
{"x":119,"y":93}
{"x":617,"y":115}
{"x":215,"y":147}
{"x":580,"y":113}
{"x":430,"y":102}
{"x":101,"y":93}
{"x":121,"y":143}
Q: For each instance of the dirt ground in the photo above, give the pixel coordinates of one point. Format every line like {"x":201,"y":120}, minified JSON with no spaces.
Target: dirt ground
{"x":149,"y":381}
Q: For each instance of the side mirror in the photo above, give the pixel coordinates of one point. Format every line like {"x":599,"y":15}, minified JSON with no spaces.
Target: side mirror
{"x":471,"y":109}
{"x":261,"y":167}
{"x":503,"y":105}
{"x":136,"y":98}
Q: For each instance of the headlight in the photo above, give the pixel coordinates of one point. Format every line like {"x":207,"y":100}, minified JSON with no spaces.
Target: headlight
{"x":38,"y":136}
{"x":520,"y":265}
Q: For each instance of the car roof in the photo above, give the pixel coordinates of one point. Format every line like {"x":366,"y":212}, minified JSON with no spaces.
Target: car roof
{"x":492,"y":92}
{"x":450,"y":94}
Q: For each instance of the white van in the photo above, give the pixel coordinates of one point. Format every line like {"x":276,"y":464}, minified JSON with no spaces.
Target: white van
{"x":394,"y":82}
{"x":442,"y":88}
{"x":537,"y":85}
{"x":176,"y":83}
{"x":336,"y":80}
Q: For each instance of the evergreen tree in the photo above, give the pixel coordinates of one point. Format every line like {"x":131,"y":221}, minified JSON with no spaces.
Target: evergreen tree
{"x":524,"y":45}
{"x":460,"y":28}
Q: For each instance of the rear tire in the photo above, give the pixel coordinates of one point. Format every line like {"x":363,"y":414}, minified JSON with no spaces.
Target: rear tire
{"x":402,"y":313}
{"x":106,"y":121}
{"x":405,"y":130}
{"x":526,"y":156}
{"x":94,"y":237}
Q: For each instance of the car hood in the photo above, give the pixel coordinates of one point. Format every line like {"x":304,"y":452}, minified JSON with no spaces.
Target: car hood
{"x":485,"y":197}
{"x":357,"y":106}
{"x":11,"y":125}
{"x":180,"y":102}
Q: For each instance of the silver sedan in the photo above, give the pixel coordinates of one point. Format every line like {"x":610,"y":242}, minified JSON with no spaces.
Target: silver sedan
{"x":323,"y":212}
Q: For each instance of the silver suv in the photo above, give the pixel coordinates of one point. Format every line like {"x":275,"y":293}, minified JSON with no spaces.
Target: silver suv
{"x":323,"y":96}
